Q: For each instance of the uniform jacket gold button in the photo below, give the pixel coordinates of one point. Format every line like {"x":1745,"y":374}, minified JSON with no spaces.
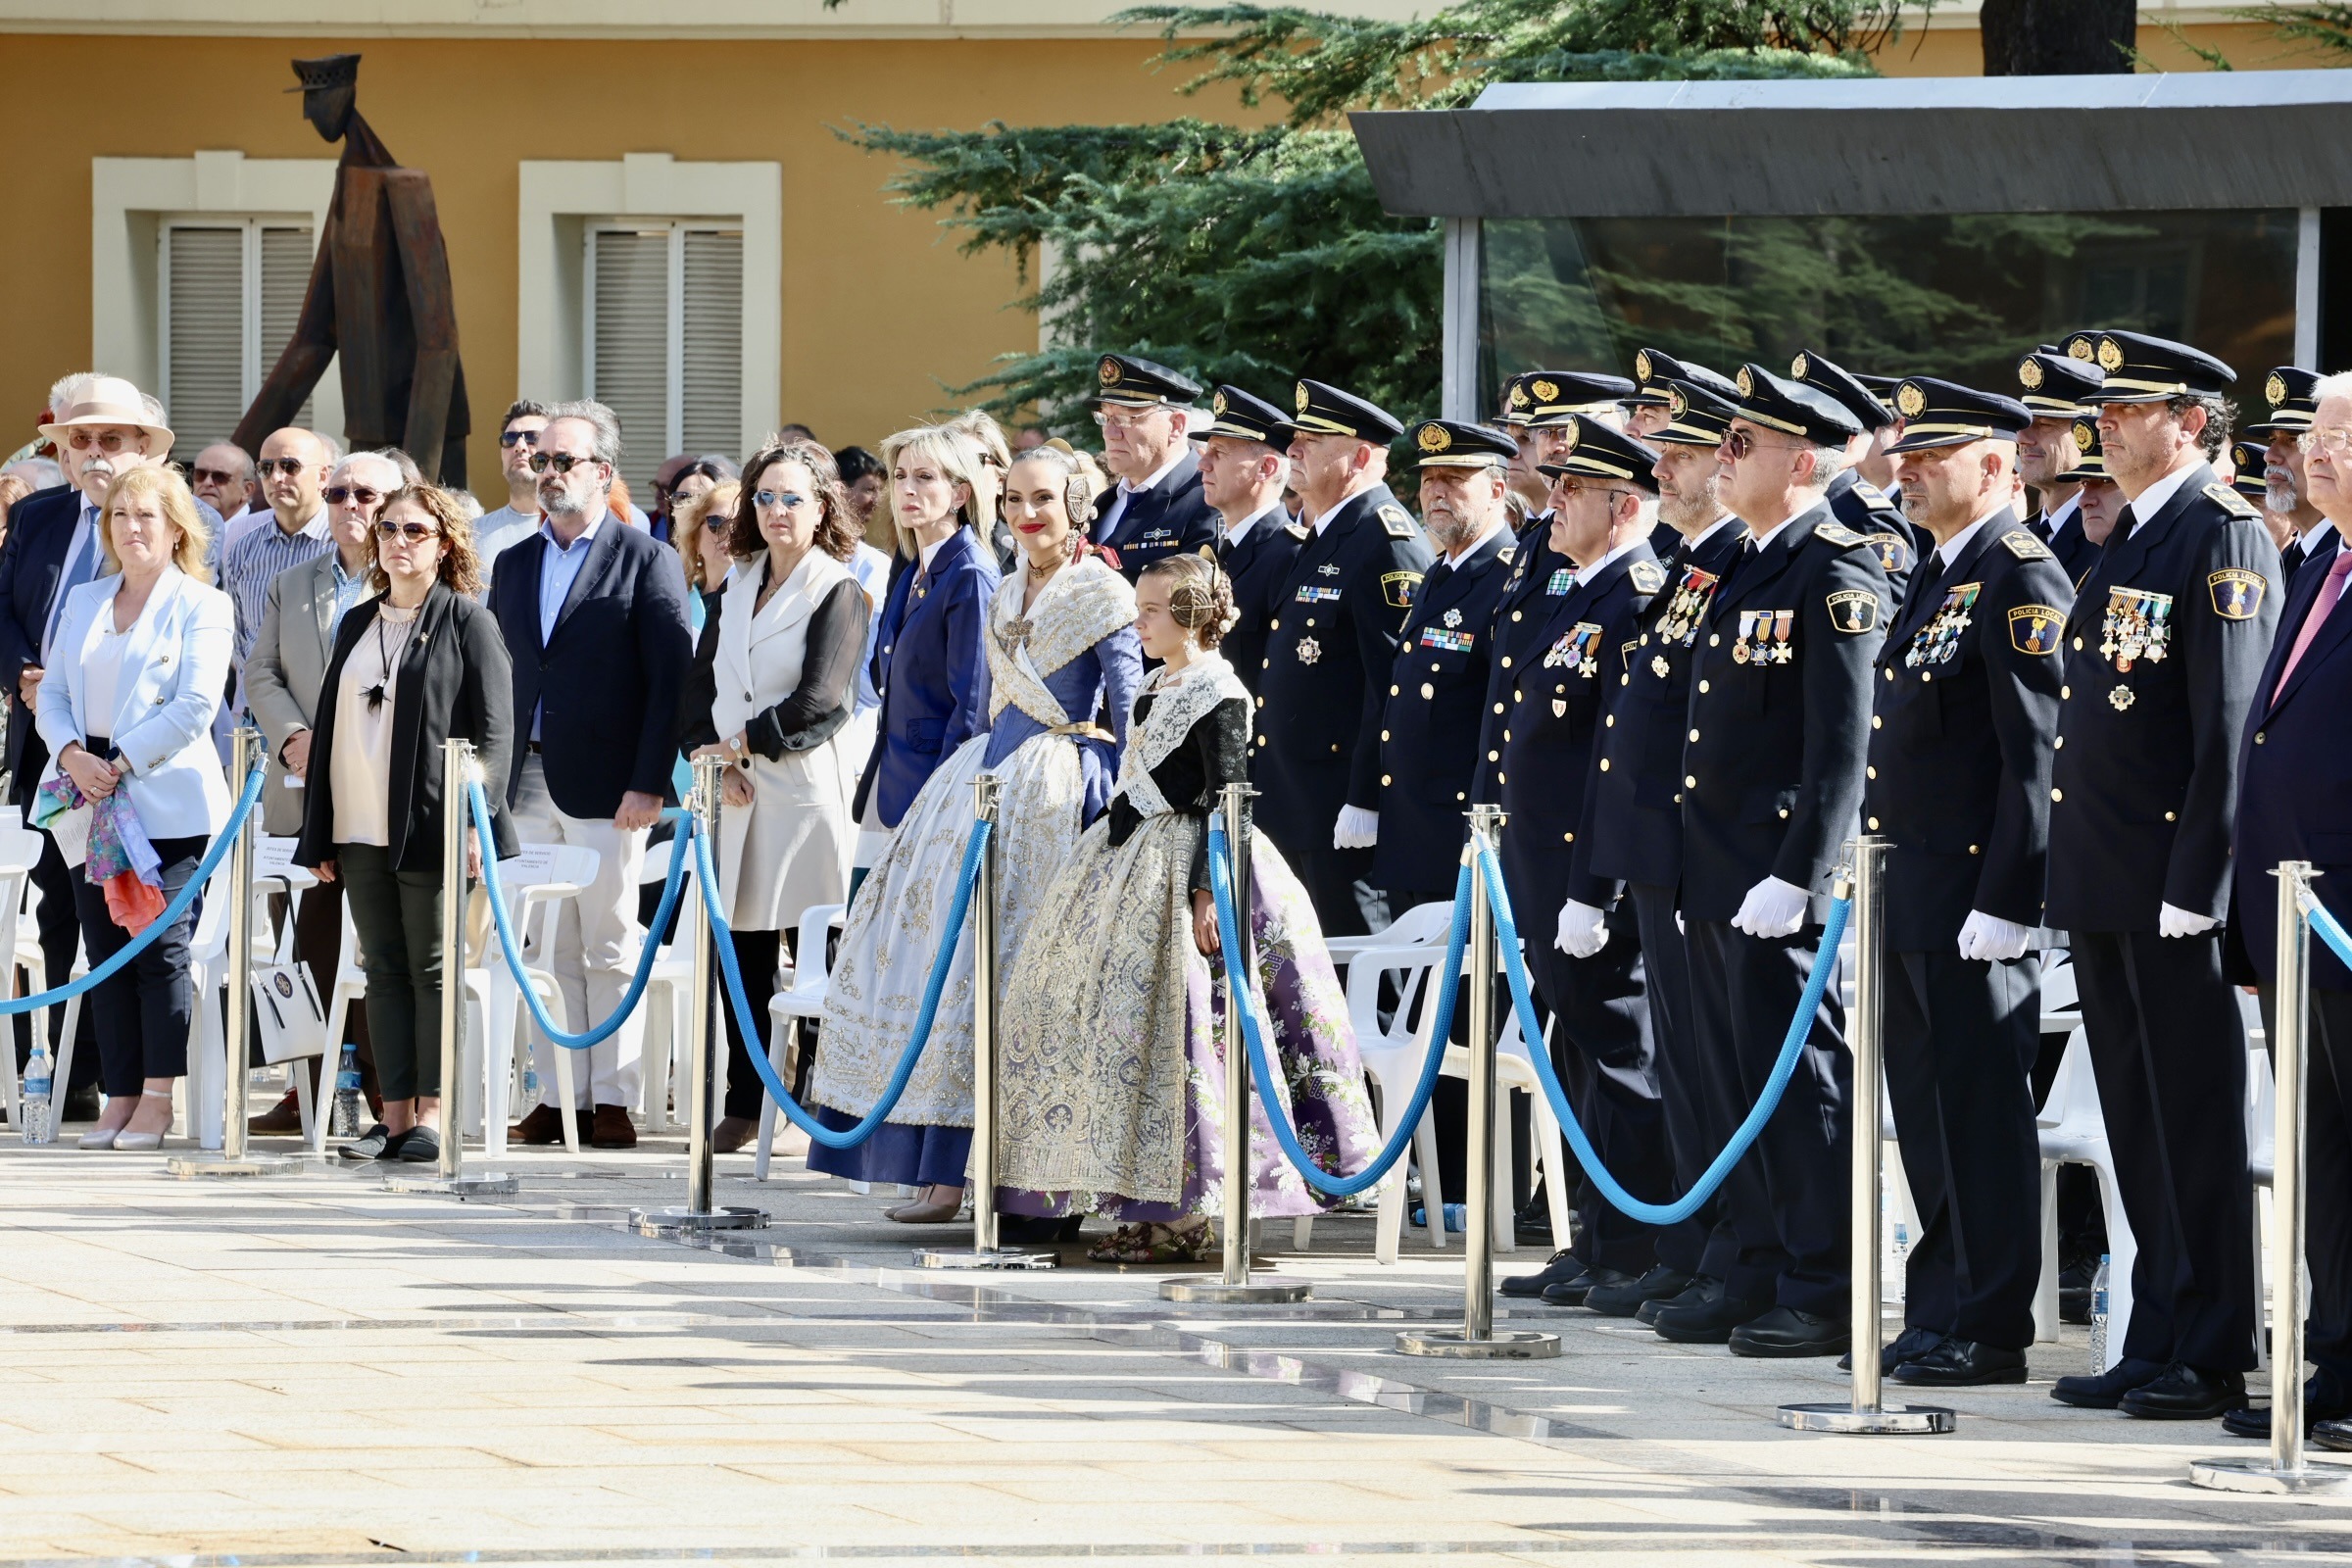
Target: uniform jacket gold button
{"x":1568,"y":838}
{"x":1874,"y":822}
{"x":1427,"y":691}
{"x":1695,"y":734}
{"x":1493,"y":757}
{"x":1386,"y":780}
{"x":1783,"y":810}
{"x":1506,"y":660}
{"x":1605,"y":764}
{"x":1384,"y":734}
{"x":1870,"y":772}
{"x":1514,"y":614}
{"x":1702,"y":686}
{"x":2065,"y":692}
{"x":2172,"y":816}
{"x":2057,"y":794}
{"x":1715,"y":641}
{"x":2078,"y":645}
{"x":1499,"y":707}
{"x":1876,"y":722}
{"x":1973,"y":849}
{"x":1691,"y":782}
{"x":2258,"y":735}
{"x":2058,"y":743}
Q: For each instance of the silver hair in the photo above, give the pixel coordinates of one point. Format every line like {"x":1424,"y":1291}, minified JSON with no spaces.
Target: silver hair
{"x":2338,"y":385}
{"x":1828,"y":464}
{"x":40,"y":473}
{"x":402,"y":463}
{"x":605,"y":447}
{"x":68,"y":390}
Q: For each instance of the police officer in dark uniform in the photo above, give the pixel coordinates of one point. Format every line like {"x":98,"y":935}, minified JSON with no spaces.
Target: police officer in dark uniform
{"x":1967,"y":704}
{"x":1602,"y":498}
{"x":1655,"y":372}
{"x":1853,"y":500}
{"x":1429,"y":728}
{"x":1771,"y":786}
{"x":1243,"y":470}
{"x":2163,"y":654}
{"x":2288,"y":390}
{"x":1157,"y":509}
{"x":2058,"y":390}
{"x":1633,"y":832}
{"x":1329,"y":650}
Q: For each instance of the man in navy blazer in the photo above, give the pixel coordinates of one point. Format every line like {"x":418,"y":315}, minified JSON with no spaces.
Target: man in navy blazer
{"x":594,"y":615}
{"x":1158,"y":509}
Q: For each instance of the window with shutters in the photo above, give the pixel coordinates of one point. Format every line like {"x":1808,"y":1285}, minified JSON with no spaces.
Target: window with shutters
{"x":665,"y":340}
{"x":230,"y":290}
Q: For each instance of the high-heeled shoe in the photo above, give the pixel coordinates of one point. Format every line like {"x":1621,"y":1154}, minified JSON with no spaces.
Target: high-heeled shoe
{"x":131,"y":1143}
{"x":99,"y":1138}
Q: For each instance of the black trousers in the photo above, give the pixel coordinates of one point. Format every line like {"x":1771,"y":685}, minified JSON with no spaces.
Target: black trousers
{"x":398,"y":917}
{"x":1602,"y":1016}
{"x":758,"y":954}
{"x":1697,"y":1246}
{"x":60,"y":929}
{"x":144,"y":1008}
{"x":1961,"y":1037}
{"x":2168,"y":1049}
{"x":1788,"y":1203}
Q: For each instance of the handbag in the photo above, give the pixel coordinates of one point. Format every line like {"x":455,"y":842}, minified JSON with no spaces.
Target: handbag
{"x":287,"y":1014}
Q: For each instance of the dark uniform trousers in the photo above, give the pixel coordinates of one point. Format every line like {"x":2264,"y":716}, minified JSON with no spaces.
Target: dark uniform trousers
{"x":1697,"y":1246}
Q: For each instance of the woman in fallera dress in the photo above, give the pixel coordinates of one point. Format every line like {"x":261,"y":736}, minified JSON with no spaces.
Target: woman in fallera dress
{"x":1112,"y":1073}
{"x":1061,"y":650}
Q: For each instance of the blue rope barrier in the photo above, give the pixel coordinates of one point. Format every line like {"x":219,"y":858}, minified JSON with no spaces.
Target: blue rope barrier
{"x":750,"y":1026}
{"x":163,"y":922}
{"x":1791,"y":1046}
{"x":1245,"y":997}
{"x":648,"y":955}
{"x":2325,"y":925}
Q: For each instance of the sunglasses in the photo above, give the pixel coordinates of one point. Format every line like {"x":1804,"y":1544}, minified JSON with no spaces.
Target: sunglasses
{"x":289,"y":466}
{"x":337,"y":494}
{"x":410,"y":531}
{"x":784,"y":499}
{"x":104,"y":441}
{"x":214,"y":477}
{"x":560,"y":462}
{"x":519,"y":438}
{"x":1742,"y":443}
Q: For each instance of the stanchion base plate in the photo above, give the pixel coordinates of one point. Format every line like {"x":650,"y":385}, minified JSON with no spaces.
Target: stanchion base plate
{"x":678,"y":1217}
{"x":1211,"y":1288}
{"x":188,"y":1167}
{"x":1503,"y":1345}
{"x":967,"y":1258}
{"x":2258,"y":1474}
{"x":487,"y":1184}
{"x":1887,"y":1418}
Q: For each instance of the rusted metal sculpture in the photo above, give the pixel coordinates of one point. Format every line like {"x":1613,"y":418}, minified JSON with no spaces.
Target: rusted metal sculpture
{"x":378,"y":296}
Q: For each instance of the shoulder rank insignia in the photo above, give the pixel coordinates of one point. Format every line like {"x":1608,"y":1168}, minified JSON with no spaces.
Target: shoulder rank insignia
{"x":1892,"y":550}
{"x":1397,"y":520}
{"x":1647,"y":576}
{"x":2024,"y":547}
{"x":1504,"y":554}
{"x":1854,"y":610}
{"x":1298,"y":531}
{"x":1869,"y":492}
{"x":2230,"y":500}
{"x":2237,"y":593}
{"x":1396,"y":587}
{"x":1839,"y":534}
{"x":2035,"y":628}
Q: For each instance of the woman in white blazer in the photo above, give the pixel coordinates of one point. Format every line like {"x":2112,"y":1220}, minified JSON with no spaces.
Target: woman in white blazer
{"x":774,"y":684}
{"x":140,"y":660}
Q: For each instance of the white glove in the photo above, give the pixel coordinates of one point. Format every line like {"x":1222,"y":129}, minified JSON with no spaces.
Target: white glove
{"x":1991,"y":939}
{"x":1584,"y":930}
{"x":1357,"y":829}
{"x":2173,"y":922}
{"x":1772,"y":909}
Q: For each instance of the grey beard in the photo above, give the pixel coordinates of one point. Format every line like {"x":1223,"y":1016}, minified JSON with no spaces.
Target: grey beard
{"x":1682,"y":515}
{"x":2279,"y":495}
{"x":563,"y":503}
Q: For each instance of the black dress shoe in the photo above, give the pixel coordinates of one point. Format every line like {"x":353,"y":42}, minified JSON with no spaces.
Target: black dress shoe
{"x":2334,"y":1436}
{"x":2322,"y":1401}
{"x":1963,"y":1365}
{"x":1647,"y":1311}
{"x":1785,"y":1331}
{"x":2105,"y":1390}
{"x":2184,"y":1392}
{"x":80,"y":1104}
{"x":1577,"y":1292}
{"x":2073,"y":1289}
{"x":1908,"y":1345}
{"x":1705,"y":1315}
{"x":1660,"y":1283}
{"x":1562,"y":1268}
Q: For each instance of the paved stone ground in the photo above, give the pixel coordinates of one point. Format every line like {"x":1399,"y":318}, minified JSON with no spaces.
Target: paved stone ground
{"x":312,"y":1370}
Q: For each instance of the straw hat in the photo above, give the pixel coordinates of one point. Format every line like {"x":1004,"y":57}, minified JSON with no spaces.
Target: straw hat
{"x":111,"y":400}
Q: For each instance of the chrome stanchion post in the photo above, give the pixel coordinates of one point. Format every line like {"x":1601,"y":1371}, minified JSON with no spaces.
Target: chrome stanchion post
{"x":987,"y":793}
{"x":1477,"y":1339}
{"x":456,"y":824}
{"x":233,"y":1159}
{"x":1240,"y":970}
{"x":2286,"y":1470}
{"x":1867,"y":1410}
{"x":700,"y":1212}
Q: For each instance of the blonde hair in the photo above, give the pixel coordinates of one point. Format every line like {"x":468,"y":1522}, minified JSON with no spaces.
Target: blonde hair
{"x":178,"y":504}
{"x":952,"y":453}
{"x":686,"y":519}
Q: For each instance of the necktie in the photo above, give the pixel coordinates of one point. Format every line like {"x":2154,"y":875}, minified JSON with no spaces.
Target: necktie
{"x":78,"y":572}
{"x":2315,"y":617}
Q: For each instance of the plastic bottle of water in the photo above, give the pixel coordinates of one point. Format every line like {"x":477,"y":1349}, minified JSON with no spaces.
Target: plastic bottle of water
{"x":346,"y":1122}
{"x":32,"y":1097}
{"x":530,"y":1082}
{"x":2098,"y":1318}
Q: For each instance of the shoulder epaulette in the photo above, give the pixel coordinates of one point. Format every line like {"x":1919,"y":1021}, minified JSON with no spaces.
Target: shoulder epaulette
{"x":1647,"y":576}
{"x":2024,"y":547}
{"x":2230,"y":500}
{"x":1868,"y":491}
{"x":1839,"y":534}
{"x":1398,"y":521}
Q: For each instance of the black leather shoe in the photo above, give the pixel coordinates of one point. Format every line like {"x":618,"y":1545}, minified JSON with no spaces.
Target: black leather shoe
{"x":2073,"y":1289}
{"x":1577,"y":1292}
{"x":1785,"y":1331}
{"x":80,"y":1104}
{"x":1963,"y":1365}
{"x":2184,"y":1393}
{"x":1660,"y":1283}
{"x":2334,"y":1436}
{"x":1908,"y":1345}
{"x":1562,"y":1268}
{"x":1704,"y":1315}
{"x":2104,"y":1391}
{"x":1647,"y":1311}
{"x":2322,"y":1401}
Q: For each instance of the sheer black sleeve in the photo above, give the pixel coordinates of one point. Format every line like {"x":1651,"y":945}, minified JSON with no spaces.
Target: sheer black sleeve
{"x":820,"y":704}
{"x":1219,"y":748}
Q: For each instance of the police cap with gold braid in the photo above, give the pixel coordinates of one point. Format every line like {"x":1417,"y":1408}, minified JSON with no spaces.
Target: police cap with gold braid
{"x":1827,"y":375}
{"x":1237,"y":414}
{"x":1131,"y":382}
{"x":2090,"y":461}
{"x":2151,"y":370}
{"x":1656,"y":370}
{"x":1946,"y":413}
{"x":1699,"y":413}
{"x":1554,"y":397}
{"x":1517,"y":400}
{"x":2057,"y":384}
{"x":1447,"y":444}
{"x":1325,"y":409}
{"x":2288,"y":391}
{"x":1793,"y":407}
{"x":2249,"y":459}
{"x":1597,"y":451}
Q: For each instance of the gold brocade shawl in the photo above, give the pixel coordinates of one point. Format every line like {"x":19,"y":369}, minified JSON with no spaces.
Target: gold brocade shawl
{"x":1179,"y":699}
{"x":1081,"y":605}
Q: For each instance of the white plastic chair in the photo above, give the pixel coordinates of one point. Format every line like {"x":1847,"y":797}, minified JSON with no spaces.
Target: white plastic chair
{"x":20,"y":851}
{"x":2073,"y":1131}
{"x":668,"y":1007}
{"x":1418,"y":926}
{"x":537,"y":880}
{"x":2261,"y":1155}
{"x":803,"y":996}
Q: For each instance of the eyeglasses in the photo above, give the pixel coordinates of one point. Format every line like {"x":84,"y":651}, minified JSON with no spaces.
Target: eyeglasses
{"x":410,"y":531}
{"x":518,"y":438}
{"x":2335,"y":440}
{"x":1123,"y":419}
{"x":338,"y":494}
{"x":102,"y":441}
{"x":1577,"y":487}
{"x":289,"y":466}
{"x":784,"y":499}
{"x":213,"y":476}
{"x":560,"y":462}
{"x":1742,"y":443}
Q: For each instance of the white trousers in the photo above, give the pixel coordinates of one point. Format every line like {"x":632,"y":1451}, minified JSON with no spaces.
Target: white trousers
{"x":597,"y":941}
